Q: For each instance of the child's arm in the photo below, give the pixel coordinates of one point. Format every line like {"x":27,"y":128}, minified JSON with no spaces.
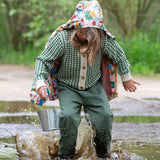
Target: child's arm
{"x":116,"y":53}
{"x":45,"y":61}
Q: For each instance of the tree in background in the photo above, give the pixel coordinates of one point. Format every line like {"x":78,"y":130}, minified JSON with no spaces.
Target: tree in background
{"x":29,"y":23}
{"x":16,"y":22}
{"x":46,"y":17}
{"x":32,"y":21}
{"x":131,"y":15}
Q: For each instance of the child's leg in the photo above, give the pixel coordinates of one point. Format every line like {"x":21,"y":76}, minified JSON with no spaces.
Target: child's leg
{"x":70,"y":103}
{"x":96,"y":104}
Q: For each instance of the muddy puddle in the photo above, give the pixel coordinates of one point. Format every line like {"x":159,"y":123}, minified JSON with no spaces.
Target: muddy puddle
{"x":139,"y":135}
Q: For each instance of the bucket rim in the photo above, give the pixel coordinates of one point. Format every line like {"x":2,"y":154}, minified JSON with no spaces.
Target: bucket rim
{"x":45,"y":109}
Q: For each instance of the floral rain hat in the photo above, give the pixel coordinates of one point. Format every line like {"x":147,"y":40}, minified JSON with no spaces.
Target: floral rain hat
{"x":87,"y":14}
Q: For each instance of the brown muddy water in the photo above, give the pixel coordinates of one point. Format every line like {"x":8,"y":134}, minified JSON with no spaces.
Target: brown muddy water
{"x":139,"y":135}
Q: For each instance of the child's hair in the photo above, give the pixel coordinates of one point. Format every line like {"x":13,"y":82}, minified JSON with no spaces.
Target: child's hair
{"x":89,"y":47}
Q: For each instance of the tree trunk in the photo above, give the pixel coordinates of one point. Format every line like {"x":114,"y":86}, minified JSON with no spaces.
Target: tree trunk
{"x":16,"y":24}
{"x":8,"y":23}
{"x":142,"y":9}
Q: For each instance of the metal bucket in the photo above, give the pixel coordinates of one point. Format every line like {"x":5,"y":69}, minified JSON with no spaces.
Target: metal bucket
{"x":49,"y":118}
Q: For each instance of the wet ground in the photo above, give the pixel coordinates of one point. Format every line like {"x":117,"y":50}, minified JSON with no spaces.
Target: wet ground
{"x":136,"y":127}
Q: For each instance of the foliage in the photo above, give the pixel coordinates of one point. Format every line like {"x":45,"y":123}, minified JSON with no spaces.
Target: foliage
{"x":46,"y":17}
{"x":15,"y":22}
{"x":131,"y":15}
{"x":30,"y":20}
{"x":3,"y":33}
{"x":143,"y":53}
{"x":9,"y":56}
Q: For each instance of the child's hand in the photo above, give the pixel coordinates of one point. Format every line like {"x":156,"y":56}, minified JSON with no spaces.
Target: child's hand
{"x":130,"y":85}
{"x":42,"y":91}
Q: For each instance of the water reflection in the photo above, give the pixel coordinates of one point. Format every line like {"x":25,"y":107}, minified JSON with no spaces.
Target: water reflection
{"x":150,"y":151}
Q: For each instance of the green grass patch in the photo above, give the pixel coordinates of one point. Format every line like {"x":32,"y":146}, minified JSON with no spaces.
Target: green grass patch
{"x":9,"y":156}
{"x":136,"y":119}
{"x":116,"y":109}
{"x":142,"y":53}
{"x":152,"y":99}
{"x":19,"y":120}
{"x":20,"y":106}
{"x":9,"y":140}
{"x":28,"y":57}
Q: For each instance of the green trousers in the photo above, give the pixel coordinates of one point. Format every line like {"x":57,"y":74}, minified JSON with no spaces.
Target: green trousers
{"x":96,"y":104}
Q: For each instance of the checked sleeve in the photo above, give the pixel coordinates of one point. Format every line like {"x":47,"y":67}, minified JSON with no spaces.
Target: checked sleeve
{"x":116,"y":53}
{"x":45,"y":61}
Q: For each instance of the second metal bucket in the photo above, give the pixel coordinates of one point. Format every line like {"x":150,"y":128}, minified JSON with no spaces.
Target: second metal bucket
{"x":49,"y":118}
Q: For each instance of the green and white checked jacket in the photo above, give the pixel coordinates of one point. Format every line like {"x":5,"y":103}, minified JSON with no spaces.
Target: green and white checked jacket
{"x":74,"y":69}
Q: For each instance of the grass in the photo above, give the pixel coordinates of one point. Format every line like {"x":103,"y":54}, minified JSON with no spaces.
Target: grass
{"x":152,"y":99}
{"x":19,"y":120}
{"x":142,"y":53}
{"x":28,"y":58}
{"x":116,"y":109}
{"x":10,"y":140}
{"x":20,"y":106}
{"x":136,"y":119}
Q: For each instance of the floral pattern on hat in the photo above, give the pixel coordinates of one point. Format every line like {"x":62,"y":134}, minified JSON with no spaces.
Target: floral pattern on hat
{"x":87,"y":14}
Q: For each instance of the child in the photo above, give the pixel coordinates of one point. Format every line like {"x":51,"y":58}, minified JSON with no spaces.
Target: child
{"x":81,"y":44}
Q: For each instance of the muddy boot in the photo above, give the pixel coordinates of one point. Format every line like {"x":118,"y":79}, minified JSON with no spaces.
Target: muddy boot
{"x":70,"y":157}
{"x":104,"y":157}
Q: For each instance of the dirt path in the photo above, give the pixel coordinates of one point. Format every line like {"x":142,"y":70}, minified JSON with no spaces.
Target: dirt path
{"x":16,"y":81}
